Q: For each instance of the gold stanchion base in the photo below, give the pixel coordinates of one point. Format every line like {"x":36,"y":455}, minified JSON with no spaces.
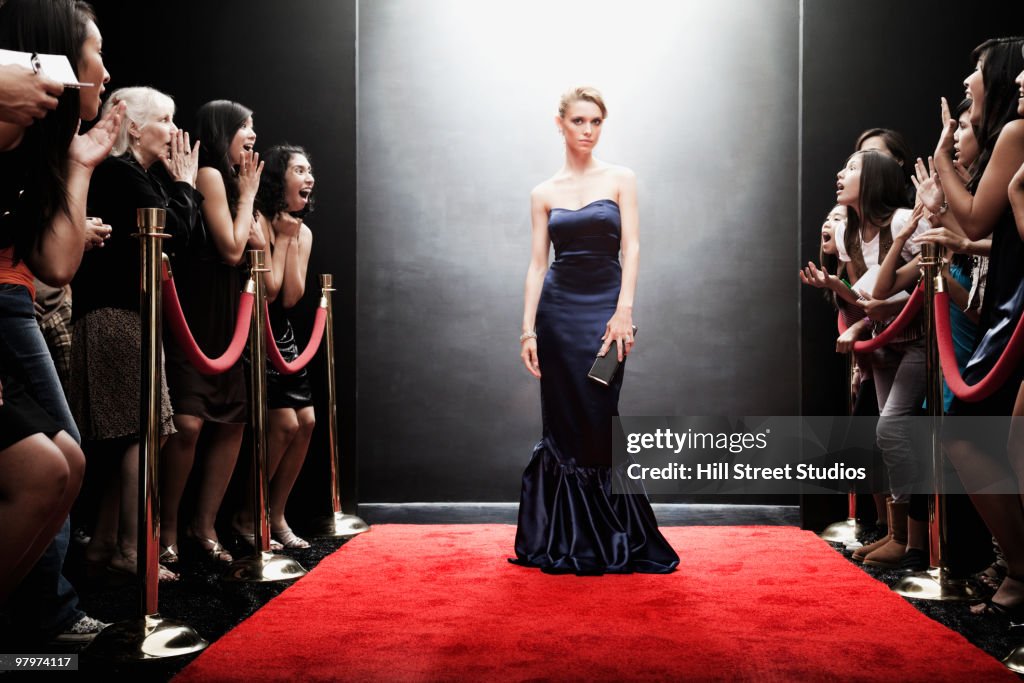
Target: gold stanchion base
{"x":149,"y":637}
{"x":264,"y":567}
{"x":341,"y":525}
{"x":1015,"y":660}
{"x":842,"y":532}
{"x":937,"y":584}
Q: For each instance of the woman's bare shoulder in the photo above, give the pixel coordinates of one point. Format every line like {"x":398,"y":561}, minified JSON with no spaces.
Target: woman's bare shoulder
{"x":542,"y":193}
{"x":619,"y":172}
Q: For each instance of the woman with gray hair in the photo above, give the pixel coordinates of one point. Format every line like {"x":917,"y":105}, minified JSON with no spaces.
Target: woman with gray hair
{"x":105,"y":356}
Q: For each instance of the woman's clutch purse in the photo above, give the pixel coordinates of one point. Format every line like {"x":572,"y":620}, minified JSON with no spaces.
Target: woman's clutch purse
{"x":604,"y":368}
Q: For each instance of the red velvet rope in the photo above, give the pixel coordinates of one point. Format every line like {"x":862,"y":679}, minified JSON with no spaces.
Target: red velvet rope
{"x":179,"y":327}
{"x":995,"y":378}
{"x":911,"y":308}
{"x":274,"y":353}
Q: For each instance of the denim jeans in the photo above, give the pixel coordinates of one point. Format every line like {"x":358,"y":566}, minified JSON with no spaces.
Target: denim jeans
{"x":900,"y":382}
{"x":44,"y":602}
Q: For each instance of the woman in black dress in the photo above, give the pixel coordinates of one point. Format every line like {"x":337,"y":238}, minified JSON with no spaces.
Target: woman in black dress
{"x":107,"y":339}
{"x":208,"y":283}
{"x":569,"y":518}
{"x":283,"y":201}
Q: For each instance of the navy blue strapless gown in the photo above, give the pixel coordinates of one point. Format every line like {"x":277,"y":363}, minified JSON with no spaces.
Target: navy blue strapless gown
{"x":569,"y":520}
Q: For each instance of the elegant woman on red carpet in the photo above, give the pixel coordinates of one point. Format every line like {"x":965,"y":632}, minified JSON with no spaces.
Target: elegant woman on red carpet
{"x":569,"y":518}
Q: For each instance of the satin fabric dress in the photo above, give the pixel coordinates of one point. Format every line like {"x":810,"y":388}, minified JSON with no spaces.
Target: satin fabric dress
{"x":569,"y":519}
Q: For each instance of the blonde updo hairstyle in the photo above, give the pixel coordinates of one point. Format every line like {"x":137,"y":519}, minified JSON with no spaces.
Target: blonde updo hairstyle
{"x":143,"y":105}
{"x":585,"y":94}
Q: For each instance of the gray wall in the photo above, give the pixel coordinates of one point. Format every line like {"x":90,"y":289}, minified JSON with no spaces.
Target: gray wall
{"x":455,"y":107}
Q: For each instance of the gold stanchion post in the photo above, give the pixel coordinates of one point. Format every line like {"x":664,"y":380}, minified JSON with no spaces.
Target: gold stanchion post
{"x":847,"y":530}
{"x":339,"y":525}
{"x":149,"y":636}
{"x":935,"y":583}
{"x":262,"y":566}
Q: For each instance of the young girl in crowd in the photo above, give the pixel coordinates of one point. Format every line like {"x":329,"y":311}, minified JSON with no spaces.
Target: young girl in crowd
{"x":872,"y":187}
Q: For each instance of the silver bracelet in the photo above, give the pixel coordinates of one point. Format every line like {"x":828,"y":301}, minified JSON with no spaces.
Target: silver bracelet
{"x":527,"y":335}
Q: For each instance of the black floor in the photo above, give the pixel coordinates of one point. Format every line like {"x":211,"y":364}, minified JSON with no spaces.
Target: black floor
{"x":213,"y":607}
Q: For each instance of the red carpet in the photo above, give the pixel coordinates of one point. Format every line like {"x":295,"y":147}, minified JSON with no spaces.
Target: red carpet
{"x":440,"y":603}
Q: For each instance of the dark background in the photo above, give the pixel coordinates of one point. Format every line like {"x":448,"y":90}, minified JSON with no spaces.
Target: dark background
{"x":864,"y":64}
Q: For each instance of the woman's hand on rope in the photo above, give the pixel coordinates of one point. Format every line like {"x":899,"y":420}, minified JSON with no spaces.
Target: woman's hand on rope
{"x":529,"y":355}
{"x":929,"y":188}
{"x":845,"y":341}
{"x":619,"y":329}
{"x":182,"y":163}
{"x":949,"y":239}
{"x":90,"y":149}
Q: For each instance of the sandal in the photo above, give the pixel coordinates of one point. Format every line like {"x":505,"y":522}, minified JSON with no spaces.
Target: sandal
{"x":289,"y":540}
{"x":165,"y":575}
{"x":169,"y":554}
{"x":991,"y":576}
{"x":1013,"y":615}
{"x":211,"y":548}
{"x":250,"y":539}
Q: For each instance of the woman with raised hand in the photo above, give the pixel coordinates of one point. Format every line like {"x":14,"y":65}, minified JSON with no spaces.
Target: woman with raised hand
{"x":282,"y":203}
{"x":107,"y":339}
{"x":872,"y":187}
{"x":208,"y":284}
{"x":45,"y":171}
{"x":983,"y":208}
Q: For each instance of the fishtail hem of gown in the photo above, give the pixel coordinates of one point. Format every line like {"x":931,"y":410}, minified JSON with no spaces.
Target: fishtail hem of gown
{"x":570,"y":521}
